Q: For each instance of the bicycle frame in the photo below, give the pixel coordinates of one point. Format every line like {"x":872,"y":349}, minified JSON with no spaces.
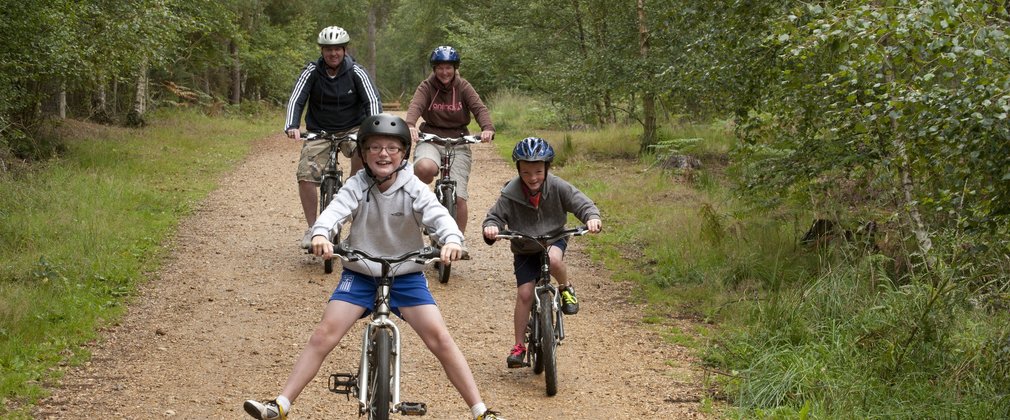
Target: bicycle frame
{"x":445,"y":186}
{"x":546,"y":326}
{"x":332,"y":177}
{"x":380,"y":320}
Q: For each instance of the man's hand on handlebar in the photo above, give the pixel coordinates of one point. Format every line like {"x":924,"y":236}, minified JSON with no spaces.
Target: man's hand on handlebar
{"x":294,"y":133}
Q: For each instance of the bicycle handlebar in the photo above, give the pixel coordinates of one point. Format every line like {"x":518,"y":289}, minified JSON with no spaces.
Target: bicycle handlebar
{"x":323,"y":135}
{"x":510,"y":234}
{"x":423,"y":256}
{"x":447,"y":141}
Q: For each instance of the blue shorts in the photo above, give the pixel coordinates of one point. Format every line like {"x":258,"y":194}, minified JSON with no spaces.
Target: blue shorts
{"x":408,"y":290}
{"x":527,"y":266}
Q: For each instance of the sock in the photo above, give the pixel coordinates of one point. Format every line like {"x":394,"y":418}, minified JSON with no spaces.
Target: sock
{"x":284,"y":403}
{"x":478,"y":409}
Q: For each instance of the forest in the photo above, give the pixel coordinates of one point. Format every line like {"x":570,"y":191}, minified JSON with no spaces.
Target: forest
{"x":882,"y":124}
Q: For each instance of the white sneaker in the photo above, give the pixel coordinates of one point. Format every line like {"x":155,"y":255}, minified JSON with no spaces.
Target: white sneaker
{"x":268,"y":410}
{"x":307,"y":239}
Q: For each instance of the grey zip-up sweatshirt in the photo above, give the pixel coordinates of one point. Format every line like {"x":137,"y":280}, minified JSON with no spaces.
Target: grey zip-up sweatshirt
{"x":387,"y":223}
{"x":557,"y":199}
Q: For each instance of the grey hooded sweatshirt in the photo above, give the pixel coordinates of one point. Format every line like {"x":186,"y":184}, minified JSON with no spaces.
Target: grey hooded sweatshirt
{"x":387,"y":223}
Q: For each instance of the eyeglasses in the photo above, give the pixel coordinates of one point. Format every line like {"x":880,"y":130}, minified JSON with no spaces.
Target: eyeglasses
{"x":393,"y":150}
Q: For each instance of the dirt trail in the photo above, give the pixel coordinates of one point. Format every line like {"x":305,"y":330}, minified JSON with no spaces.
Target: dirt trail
{"x":236,"y":301}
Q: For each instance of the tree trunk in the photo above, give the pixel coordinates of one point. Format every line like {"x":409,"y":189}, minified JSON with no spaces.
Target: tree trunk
{"x":648,"y":97}
{"x":61,"y":102}
{"x":100,"y":103}
{"x":904,"y":169}
{"x":135,"y":118}
{"x":236,"y":73}
{"x":370,"y":64}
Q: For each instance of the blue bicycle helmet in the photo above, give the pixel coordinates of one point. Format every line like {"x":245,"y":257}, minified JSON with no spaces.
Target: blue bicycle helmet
{"x":533,"y":149}
{"x":444,"y":54}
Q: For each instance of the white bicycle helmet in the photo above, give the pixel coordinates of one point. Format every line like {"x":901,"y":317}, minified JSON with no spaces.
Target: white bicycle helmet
{"x":333,"y":35}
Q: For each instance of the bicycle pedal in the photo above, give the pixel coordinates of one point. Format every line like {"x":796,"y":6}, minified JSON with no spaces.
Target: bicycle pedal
{"x":344,"y":383}
{"x":413,"y":408}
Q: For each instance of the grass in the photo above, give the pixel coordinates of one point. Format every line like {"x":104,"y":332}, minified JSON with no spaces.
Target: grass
{"x":79,"y":233}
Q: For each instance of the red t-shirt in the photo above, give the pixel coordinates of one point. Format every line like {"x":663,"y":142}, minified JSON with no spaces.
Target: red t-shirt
{"x":534,"y":197}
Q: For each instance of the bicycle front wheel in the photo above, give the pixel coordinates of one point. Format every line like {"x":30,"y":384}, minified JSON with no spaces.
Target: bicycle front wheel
{"x":378,"y":386}
{"x":548,"y":343}
{"x":327,"y":190}
{"x":447,"y":197}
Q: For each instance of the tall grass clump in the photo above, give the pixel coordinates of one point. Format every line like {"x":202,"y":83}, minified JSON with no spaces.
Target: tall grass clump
{"x":514,"y":113}
{"x":855,"y":343}
{"x":80,"y":232}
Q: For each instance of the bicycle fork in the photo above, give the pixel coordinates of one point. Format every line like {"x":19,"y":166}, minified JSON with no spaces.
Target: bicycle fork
{"x":348,"y":384}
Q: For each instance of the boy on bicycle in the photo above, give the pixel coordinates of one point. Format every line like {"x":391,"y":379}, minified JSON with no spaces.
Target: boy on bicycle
{"x":387,"y":205}
{"x":537,"y":203}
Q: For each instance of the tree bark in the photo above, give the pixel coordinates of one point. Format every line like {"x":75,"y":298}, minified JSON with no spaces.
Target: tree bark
{"x":648,"y":97}
{"x":135,"y":118}
{"x":236,"y":73}
{"x":370,"y":65}
{"x":61,"y":102}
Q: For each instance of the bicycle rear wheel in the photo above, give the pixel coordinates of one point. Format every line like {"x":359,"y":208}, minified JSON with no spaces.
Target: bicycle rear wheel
{"x":378,"y":385}
{"x":327,"y":190}
{"x":548,"y":344}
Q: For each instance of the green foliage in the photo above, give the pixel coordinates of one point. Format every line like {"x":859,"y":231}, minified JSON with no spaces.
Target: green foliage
{"x":80,"y":233}
{"x":866,"y":88}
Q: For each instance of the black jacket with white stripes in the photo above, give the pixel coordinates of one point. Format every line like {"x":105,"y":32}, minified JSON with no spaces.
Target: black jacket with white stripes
{"x":335,"y":103}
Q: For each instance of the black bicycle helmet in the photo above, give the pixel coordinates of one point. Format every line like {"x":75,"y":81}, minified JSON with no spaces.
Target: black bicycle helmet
{"x":387,"y":125}
{"x":444,"y":54}
{"x":533,"y":149}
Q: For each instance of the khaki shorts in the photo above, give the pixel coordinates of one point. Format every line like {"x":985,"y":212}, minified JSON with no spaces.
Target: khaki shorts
{"x":315,"y":153}
{"x":460,"y":165}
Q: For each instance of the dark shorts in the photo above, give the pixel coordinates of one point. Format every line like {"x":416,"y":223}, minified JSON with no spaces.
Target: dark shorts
{"x":527,"y":266}
{"x":408,"y":290}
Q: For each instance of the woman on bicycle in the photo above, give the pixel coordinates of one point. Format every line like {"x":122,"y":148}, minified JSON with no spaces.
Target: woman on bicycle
{"x":388,"y":205}
{"x":445,"y":100}
{"x":537,"y":203}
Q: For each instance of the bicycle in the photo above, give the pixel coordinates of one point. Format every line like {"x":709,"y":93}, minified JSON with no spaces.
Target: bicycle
{"x":377,"y":383}
{"x":445,"y":186}
{"x":332,"y":177}
{"x":546,"y":327}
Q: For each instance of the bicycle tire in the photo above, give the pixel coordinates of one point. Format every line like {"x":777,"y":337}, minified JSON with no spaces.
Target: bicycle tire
{"x":448,"y":199}
{"x":327,"y":190}
{"x":378,"y":385}
{"x":533,"y":332}
{"x":548,"y":345}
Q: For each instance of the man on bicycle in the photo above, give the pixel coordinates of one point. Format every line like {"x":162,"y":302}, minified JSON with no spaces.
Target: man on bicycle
{"x":537,"y":203}
{"x":445,"y":100}
{"x":339,"y":95}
